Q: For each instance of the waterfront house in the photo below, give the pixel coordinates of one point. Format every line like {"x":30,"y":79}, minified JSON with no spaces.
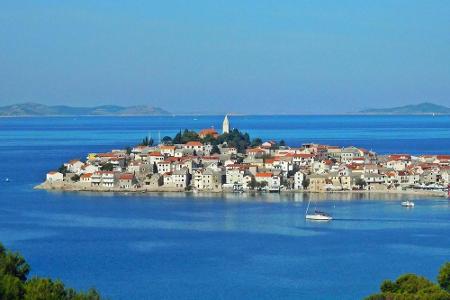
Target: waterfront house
{"x":127,"y":180}
{"x":103,"y":179}
{"x":207,"y":179}
{"x":298,"y":180}
{"x":177,"y":179}
{"x":235,"y":175}
{"x":86,"y":178}
{"x":317,"y":183}
{"x":54,"y":176}
{"x":273,"y":181}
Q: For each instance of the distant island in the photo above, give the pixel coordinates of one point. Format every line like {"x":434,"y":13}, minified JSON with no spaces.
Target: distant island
{"x":413,"y":109}
{"x":36,"y":109}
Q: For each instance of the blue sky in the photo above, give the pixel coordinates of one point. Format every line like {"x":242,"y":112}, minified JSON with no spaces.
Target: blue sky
{"x":226,"y":56}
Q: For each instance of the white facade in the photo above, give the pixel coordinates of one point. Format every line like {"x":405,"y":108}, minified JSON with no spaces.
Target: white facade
{"x":226,"y":125}
{"x":54,"y":176}
{"x":298,"y":180}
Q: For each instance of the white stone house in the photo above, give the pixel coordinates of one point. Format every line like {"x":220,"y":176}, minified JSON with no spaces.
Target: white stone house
{"x":168,"y":150}
{"x":155,"y":157}
{"x":127,"y":180}
{"x":298,"y":180}
{"x":193,"y":145}
{"x":74,"y":166}
{"x":54,"y":176}
{"x":103,"y":179}
{"x":303,"y":159}
{"x":164,"y":167}
{"x":86,"y":178}
{"x":177,"y":179}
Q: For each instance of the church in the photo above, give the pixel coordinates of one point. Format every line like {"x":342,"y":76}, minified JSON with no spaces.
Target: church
{"x":226,"y":125}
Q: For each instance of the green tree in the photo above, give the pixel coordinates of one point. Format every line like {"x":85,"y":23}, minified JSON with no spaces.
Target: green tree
{"x":167,"y":140}
{"x":412,"y":286}
{"x":62,"y":169}
{"x":75,"y":178}
{"x":155,"y":168}
{"x":209,"y":139}
{"x":14,"y":284}
{"x":189,"y":136}
{"x":305,"y":183}
{"x":256,"y":142}
{"x":146,"y":141}
{"x":235,"y":138}
{"x":44,"y":289}
{"x":215,"y":150}
{"x":177,"y":138}
{"x":444,"y":277}
{"x":282,"y":143}
{"x":252,"y":184}
{"x":361,"y":183}
{"x":13,"y":264}
{"x":11,"y":287}
{"x":107,"y":167}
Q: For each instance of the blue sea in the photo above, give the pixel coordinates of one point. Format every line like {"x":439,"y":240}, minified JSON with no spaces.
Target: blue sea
{"x":177,"y":246}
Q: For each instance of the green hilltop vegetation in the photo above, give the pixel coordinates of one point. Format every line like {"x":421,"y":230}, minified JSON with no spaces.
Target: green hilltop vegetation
{"x":235,"y":138}
{"x":414,"y":287}
{"x":15,"y":284}
{"x":36,"y":109}
{"x":417,"y":109}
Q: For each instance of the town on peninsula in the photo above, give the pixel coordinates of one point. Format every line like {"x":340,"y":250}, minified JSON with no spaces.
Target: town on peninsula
{"x":207,"y":161}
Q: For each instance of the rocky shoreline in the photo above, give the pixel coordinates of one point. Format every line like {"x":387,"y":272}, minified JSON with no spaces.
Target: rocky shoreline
{"x":68,"y":187}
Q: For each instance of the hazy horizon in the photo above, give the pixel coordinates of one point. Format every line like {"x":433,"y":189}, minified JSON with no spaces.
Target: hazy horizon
{"x":263,"y":57}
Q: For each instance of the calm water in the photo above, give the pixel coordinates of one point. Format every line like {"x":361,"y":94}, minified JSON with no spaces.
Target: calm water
{"x":182,"y":247}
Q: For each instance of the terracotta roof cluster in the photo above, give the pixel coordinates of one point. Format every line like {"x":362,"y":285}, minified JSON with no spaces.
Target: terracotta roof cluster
{"x":208,"y":131}
{"x":194,"y":144}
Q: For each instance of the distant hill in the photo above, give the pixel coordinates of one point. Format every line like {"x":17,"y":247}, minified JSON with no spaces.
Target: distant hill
{"x":36,"y":109}
{"x":422,"y":108}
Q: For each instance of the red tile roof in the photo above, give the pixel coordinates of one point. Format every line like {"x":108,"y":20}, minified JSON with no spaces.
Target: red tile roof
{"x":155,"y":154}
{"x":264,"y":174}
{"x":167,"y":147}
{"x":126,"y":176}
{"x":194,"y":143}
{"x":208,"y":131}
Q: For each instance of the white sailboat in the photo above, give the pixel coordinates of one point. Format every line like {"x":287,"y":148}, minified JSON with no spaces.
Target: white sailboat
{"x":407,"y":203}
{"x":317,"y":215}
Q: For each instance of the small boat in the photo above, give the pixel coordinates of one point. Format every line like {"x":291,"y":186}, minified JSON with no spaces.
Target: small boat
{"x":317,"y":215}
{"x":6,"y":179}
{"x":408,"y":203}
